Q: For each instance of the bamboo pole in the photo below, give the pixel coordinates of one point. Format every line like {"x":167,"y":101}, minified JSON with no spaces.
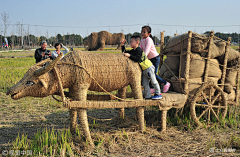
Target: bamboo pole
{"x":121,"y":113}
{"x":208,"y":58}
{"x":60,"y":87}
{"x":237,"y":90}
{"x":140,"y":114}
{"x":238,"y":77}
{"x":161,"y":49}
{"x":187,"y":62}
{"x":225,"y":62}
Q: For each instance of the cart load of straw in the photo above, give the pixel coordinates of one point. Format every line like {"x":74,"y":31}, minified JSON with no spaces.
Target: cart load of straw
{"x":230,"y":80}
{"x":179,"y":43}
{"x":174,"y":66}
{"x":200,"y":44}
{"x":197,"y":67}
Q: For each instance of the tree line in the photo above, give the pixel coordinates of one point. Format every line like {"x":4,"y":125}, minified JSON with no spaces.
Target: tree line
{"x":224,"y":36}
{"x":31,"y":40}
{"x":78,"y":40}
{"x":156,"y":40}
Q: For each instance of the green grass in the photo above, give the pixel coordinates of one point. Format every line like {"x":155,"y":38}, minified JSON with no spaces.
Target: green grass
{"x":17,"y":54}
{"x":46,"y":142}
{"x":56,"y":142}
{"x":12,"y":70}
{"x":235,"y":47}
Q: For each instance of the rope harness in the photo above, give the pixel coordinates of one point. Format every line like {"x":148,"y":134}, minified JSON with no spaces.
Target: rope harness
{"x":66,"y":101}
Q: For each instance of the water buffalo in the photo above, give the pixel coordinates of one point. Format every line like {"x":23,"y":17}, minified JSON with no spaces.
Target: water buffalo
{"x":111,"y":71}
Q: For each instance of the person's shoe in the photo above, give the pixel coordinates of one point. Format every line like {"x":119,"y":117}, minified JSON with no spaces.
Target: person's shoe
{"x":166,"y":87}
{"x":157,"y":97}
{"x":152,"y":90}
{"x":148,"y":98}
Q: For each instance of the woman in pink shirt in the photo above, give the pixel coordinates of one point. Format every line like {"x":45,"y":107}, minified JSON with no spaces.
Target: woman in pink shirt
{"x":148,"y":47}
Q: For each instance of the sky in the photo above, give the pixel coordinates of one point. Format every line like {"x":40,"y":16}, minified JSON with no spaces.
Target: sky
{"x":52,"y":17}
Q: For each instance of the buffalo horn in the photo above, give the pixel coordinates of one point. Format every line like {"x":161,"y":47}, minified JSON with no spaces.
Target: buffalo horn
{"x":48,"y":67}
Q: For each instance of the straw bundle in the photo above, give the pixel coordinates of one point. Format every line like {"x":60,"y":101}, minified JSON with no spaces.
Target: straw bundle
{"x":99,"y":40}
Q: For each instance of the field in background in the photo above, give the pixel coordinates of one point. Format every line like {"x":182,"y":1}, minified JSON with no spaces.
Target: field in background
{"x":42,"y":125}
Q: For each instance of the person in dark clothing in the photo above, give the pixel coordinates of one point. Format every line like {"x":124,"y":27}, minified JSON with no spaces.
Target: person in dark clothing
{"x":134,"y":54}
{"x":42,"y":53}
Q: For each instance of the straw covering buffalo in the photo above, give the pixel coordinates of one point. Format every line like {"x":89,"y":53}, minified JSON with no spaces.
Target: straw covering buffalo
{"x":76,"y":71}
{"x":99,"y":40}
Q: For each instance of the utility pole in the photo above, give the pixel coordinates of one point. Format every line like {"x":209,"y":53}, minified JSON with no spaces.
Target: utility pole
{"x":28,"y":38}
{"x":1,"y":39}
{"x":5,"y":18}
{"x":238,"y":43}
{"x":22,"y":35}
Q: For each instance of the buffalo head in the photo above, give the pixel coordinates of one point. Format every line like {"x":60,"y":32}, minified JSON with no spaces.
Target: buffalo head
{"x":37,"y":82}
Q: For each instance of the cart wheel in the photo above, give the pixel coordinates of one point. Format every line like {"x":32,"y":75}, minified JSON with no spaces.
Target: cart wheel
{"x":208,"y":105}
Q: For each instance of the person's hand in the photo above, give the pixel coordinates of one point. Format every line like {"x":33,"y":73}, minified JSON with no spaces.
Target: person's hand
{"x":127,"y":54}
{"x":43,"y":54}
{"x":61,"y":44}
{"x":122,"y":41}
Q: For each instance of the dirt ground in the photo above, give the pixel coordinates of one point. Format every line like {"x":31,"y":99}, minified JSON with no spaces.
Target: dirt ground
{"x":28,"y":115}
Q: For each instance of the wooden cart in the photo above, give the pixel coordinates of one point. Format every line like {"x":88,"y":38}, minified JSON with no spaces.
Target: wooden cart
{"x":209,"y":98}
{"x":210,"y":102}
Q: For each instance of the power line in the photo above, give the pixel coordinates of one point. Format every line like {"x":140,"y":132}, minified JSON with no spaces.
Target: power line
{"x":128,"y":25}
{"x":76,"y":26}
{"x":196,"y":26}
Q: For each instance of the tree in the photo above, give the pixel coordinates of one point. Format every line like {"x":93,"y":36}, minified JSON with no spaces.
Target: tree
{"x":59,"y":38}
{"x":224,"y":36}
{"x":52,"y":40}
{"x":137,"y":33}
{"x":42,"y":38}
{"x":33,"y":40}
{"x":73,"y":39}
{"x":6,"y":22}
{"x":166,"y":39}
{"x":18,"y":32}
{"x":156,"y":40}
{"x":128,"y":37}
{"x":85,"y":38}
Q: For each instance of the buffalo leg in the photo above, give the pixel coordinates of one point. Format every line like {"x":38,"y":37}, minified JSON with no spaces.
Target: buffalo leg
{"x":137,"y":91}
{"x":82,"y":113}
{"x":122,"y":94}
{"x":73,"y":120}
{"x":102,"y":43}
{"x":119,"y":47}
{"x":79,"y":93}
{"x":73,"y":113}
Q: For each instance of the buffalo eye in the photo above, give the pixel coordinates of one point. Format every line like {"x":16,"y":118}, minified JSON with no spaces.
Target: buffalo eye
{"x":30,"y":83}
{"x":41,"y":83}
